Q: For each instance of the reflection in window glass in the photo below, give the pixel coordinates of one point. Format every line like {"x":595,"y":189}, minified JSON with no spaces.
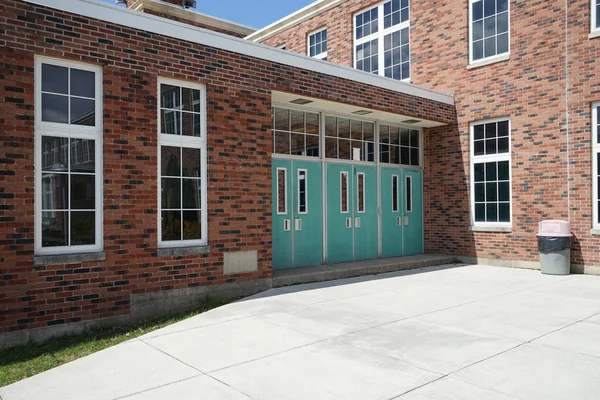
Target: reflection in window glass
{"x":344,"y":192}
{"x":360,"y":178}
{"x":296,"y":132}
{"x":399,"y":145}
{"x":302,"y":206}
{"x":348,"y":139}
{"x":281,"y":191}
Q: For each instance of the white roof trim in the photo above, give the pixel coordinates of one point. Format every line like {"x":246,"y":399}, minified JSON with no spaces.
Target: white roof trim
{"x":292,"y":19}
{"x":150,"y":23}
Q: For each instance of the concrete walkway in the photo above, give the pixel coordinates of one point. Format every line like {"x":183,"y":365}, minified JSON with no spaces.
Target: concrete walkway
{"x":456,"y":332}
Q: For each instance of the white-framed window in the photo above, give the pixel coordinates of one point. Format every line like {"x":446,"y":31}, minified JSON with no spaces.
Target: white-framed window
{"x":68,"y":195}
{"x":596,"y":164}
{"x":296,"y":132}
{"x":382,"y":39}
{"x":360,"y":192}
{"x":395,"y":197}
{"x":595,"y":14}
{"x":182,"y":167}
{"x":302,"y":191}
{"x":281,"y":191}
{"x":489,"y":33}
{"x":317,"y":44}
{"x":409,"y":194}
{"x":491,"y":173}
{"x":344,"y":193}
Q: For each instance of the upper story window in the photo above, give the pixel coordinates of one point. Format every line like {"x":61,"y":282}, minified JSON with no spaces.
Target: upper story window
{"x":317,"y":44}
{"x":596,"y":163}
{"x":491,"y":172}
{"x":182,"y":164}
{"x":595,"y":14}
{"x":489,"y":33}
{"x":382,"y":40}
{"x":295,"y":132}
{"x":68,"y":153}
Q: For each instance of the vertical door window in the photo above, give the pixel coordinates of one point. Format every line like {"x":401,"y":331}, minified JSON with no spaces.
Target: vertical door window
{"x":281,"y":191}
{"x":395,"y":197}
{"x":344,"y":192}
{"x":302,"y":205}
{"x":360,"y":191}
{"x":409,"y":194}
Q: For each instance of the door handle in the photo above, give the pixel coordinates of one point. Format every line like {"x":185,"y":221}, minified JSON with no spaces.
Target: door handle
{"x":348,"y":222}
{"x":357,"y":222}
{"x":398,"y":221}
{"x":286,"y":225}
{"x":406,"y":220}
{"x":298,"y":224}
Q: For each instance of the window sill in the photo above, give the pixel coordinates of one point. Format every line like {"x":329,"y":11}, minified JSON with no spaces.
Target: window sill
{"x":595,"y":232}
{"x":57,"y":259}
{"x":494,"y":60}
{"x":182,"y":251}
{"x":479,"y":228}
{"x":594,"y":34}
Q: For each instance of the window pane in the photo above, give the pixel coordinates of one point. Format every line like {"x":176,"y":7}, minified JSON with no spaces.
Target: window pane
{"x":394,"y":155}
{"x":502,"y":22}
{"x":489,"y":26}
{"x":281,"y":191}
{"x":503,"y":145}
{"x":492,"y":212}
{"x":478,"y":30}
{"x":170,"y":161}
{"x":357,"y":153}
{"x":55,"y":229}
{"x":503,"y":171}
{"x":491,"y":192}
{"x":361,"y":192}
{"x":479,"y":172}
{"x":404,"y":155}
{"x":192,"y":227}
{"x":54,"y":154}
{"x":479,"y":148}
{"x":504,"y":212}
{"x":355,"y":130}
{"x":191,"y":162}
{"x":477,"y":10}
{"x":55,"y":79}
{"x":331,"y":126}
{"x":86,"y":162}
{"x":297,"y":121}
{"x":395,"y":197}
{"x":282,"y":143}
{"x":478,"y":50}
{"x":502,"y":5}
{"x":55,"y":108}
{"x":490,"y":171}
{"x":312,"y":145}
{"x":345,"y":150}
{"x":297,"y":144}
{"x":344,"y":128}
{"x":344,"y":192}
{"x":171,"y":225}
{"x":191,"y":194}
{"x":331,"y":150}
{"x":504,"y":191}
{"x":83,"y":112}
{"x":480,"y":192}
{"x":83,"y":83}
{"x":190,"y":99}
{"x":480,"y":212}
{"x":408,"y":194}
{"x":83,"y":228}
{"x":83,"y":192}
{"x":503,"y":43}
{"x":282,"y":119}
{"x":191,"y":124}
{"x":490,"y":146}
{"x":170,"y":97}
{"x":170,"y":122}
{"x":394,"y":135}
{"x":502,"y":128}
{"x":171,"y":193}
{"x":312,"y":123}
{"x":56,"y":193}
{"x":404,"y":137}
{"x":489,"y":7}
{"x":414,"y":157}
{"x":490,"y":47}
{"x":301,"y":191}
{"x":414,"y":138}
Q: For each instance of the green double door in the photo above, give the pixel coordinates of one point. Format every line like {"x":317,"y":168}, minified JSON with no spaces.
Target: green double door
{"x":297,"y":213}
{"x":401,"y":212}
{"x":351,"y":212}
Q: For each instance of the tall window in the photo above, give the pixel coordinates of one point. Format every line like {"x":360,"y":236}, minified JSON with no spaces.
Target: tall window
{"x":489,"y":33}
{"x":182,"y":164}
{"x":68,"y":119}
{"x":595,"y":14}
{"x":382,"y":40}
{"x":295,"y":132}
{"x":317,"y":44}
{"x":491,"y":172}
{"x":596,"y":163}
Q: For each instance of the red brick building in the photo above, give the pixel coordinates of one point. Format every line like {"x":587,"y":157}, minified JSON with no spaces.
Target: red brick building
{"x":530,"y":66}
{"x":137,"y":170}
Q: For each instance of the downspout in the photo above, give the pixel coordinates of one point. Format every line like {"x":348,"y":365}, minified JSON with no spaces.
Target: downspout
{"x":567,"y":107}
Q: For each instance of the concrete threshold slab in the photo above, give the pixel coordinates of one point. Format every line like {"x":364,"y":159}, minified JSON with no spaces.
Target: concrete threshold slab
{"x":321,"y":273}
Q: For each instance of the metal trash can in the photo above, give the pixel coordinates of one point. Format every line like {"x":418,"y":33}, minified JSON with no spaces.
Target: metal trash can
{"x":554,"y":244}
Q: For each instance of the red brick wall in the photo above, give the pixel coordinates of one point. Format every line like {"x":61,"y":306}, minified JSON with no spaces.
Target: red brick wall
{"x":529,"y":88}
{"x":239,"y":164}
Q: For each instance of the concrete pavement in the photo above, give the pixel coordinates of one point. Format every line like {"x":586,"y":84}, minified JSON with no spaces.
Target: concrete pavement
{"x":455,"y":332}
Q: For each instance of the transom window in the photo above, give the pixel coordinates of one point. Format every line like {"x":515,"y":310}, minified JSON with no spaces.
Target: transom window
{"x":382,"y":40}
{"x":596,"y":163}
{"x":399,"y":145}
{"x":317,"y":44}
{"x":68,"y":173}
{"x":295,"y":132}
{"x":490,"y":172}
{"x":182,"y":164}
{"x":489,"y":28}
{"x":349,"y":139}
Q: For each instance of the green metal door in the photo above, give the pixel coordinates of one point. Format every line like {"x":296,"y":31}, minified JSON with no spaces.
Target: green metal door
{"x":413,"y":212}
{"x":282,"y":214}
{"x":365,"y":212}
{"x":391,"y":212}
{"x":308,"y":213}
{"x":339,"y":213}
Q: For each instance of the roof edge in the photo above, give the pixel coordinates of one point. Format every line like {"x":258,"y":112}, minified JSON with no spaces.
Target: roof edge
{"x":292,"y":19}
{"x":146,"y":22}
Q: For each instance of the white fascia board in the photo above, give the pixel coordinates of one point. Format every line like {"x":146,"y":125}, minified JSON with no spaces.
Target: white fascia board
{"x":97,"y":9}
{"x":292,"y":19}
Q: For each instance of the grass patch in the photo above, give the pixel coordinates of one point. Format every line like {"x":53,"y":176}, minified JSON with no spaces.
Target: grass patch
{"x":25,"y":361}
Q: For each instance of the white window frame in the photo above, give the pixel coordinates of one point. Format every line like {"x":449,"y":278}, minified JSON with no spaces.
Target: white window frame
{"x":593,"y":17}
{"x":321,"y":55}
{"x":285,"y":189}
{"x":68,"y":131}
{"x":595,"y":152}
{"x":380,"y":36}
{"x":490,"y":59}
{"x":165,"y":139}
{"x":485,"y":159}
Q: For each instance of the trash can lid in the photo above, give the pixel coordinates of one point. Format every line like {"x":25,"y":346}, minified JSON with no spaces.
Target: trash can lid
{"x":555,"y":228}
